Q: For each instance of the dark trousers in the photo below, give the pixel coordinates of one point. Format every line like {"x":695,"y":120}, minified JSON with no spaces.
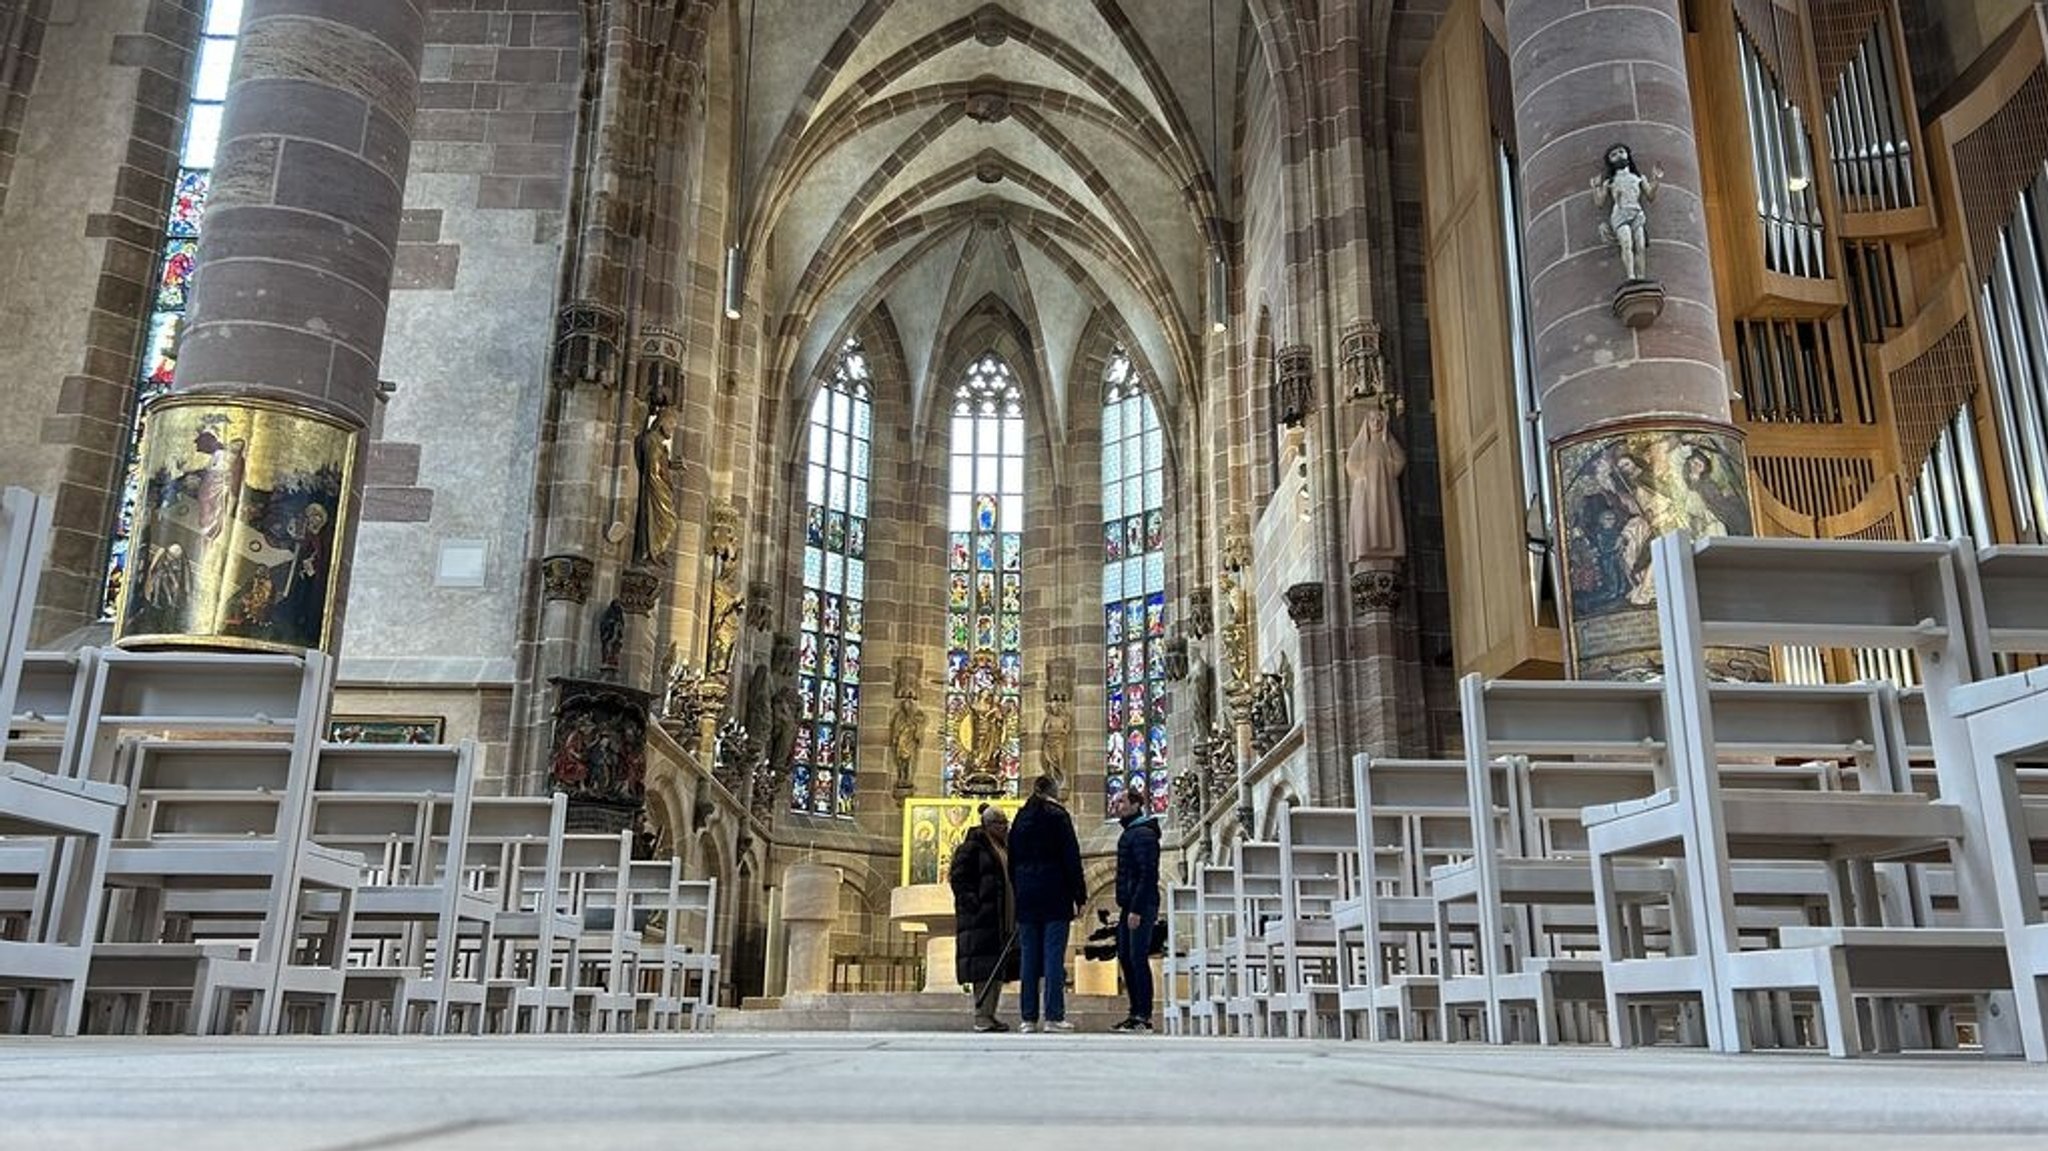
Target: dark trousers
{"x":1134,"y":956}
{"x":1042,"y":958}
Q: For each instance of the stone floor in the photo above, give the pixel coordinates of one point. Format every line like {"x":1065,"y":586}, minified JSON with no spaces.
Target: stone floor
{"x":892,"y":1092}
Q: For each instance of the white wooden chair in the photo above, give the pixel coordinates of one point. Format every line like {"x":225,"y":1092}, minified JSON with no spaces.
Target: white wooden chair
{"x":406,"y":809}
{"x":596,"y":874}
{"x":221,"y":884}
{"x":1209,"y":953}
{"x":55,"y":828}
{"x":1317,"y":846}
{"x":1253,"y":960}
{"x":1509,"y":870}
{"x":1834,"y":593}
{"x":693,"y":951}
{"x":1177,"y":980}
{"x":1410,"y":816}
{"x":515,"y":853}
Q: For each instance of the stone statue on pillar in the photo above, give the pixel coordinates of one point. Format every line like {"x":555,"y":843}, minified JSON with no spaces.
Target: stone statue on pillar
{"x":784,"y":706}
{"x":906,"y":736}
{"x":654,"y":522}
{"x":1056,"y":737}
{"x":1623,"y":191}
{"x":1373,"y":465}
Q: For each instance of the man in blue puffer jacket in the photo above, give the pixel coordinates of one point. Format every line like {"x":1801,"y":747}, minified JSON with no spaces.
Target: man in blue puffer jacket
{"x":1137,"y":902}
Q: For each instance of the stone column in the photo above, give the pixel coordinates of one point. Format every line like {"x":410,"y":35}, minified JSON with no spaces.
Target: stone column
{"x":277,"y":370}
{"x":1634,"y":402}
{"x":810,"y":904}
{"x":1317,"y":693}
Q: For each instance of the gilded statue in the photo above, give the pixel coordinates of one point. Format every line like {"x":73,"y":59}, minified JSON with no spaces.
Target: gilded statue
{"x":728,"y":611}
{"x":1373,"y":465}
{"x":980,"y":737}
{"x":654,"y":525}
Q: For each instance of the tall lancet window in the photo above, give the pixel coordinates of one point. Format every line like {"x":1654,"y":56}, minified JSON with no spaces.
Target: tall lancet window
{"x":177,"y":258}
{"x":1133,"y":584}
{"x":984,"y":576}
{"x":835,"y":579}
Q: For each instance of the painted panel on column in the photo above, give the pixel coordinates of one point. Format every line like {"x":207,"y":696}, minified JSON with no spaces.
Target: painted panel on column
{"x":239,"y":526}
{"x":1617,"y":492}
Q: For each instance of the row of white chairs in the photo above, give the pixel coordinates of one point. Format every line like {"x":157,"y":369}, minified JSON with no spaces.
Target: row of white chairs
{"x":1855,"y":866}
{"x":180,"y":850}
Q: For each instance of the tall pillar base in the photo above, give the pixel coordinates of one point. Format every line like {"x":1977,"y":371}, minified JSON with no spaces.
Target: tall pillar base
{"x":241,"y":526}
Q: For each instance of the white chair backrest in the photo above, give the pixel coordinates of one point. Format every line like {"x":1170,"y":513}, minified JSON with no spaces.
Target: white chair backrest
{"x":24,"y":537}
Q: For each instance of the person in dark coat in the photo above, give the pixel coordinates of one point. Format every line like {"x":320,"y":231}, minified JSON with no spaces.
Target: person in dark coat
{"x":1045,"y":869}
{"x":1137,"y":902}
{"x":984,"y":923}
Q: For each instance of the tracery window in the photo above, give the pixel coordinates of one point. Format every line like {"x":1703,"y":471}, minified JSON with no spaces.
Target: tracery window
{"x":1133,"y":584}
{"x":835,"y":581}
{"x":985,"y":565}
{"x":176,"y":260}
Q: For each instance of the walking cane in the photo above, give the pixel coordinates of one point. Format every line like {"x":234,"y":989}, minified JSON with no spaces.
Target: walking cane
{"x":993,"y":982}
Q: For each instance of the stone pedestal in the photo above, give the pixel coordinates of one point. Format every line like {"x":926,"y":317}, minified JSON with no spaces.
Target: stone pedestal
{"x":810,"y":904}
{"x":927,"y":909}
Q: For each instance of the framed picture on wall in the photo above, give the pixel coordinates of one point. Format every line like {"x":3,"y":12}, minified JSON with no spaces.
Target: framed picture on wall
{"x":385,"y":728}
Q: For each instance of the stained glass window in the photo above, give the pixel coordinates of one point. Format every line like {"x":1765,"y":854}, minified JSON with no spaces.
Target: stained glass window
{"x":177,"y":259}
{"x":985,"y":564}
{"x":1133,"y":585}
{"x":835,"y":588}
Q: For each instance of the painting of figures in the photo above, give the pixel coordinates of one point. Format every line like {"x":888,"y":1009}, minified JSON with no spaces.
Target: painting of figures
{"x":237,"y":526}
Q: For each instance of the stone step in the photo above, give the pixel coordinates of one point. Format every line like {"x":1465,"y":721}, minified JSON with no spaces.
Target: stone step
{"x":912,"y":1011}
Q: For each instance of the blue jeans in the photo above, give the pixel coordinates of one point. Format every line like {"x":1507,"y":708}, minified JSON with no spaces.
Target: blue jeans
{"x":1134,"y":956}
{"x":1042,"y":957}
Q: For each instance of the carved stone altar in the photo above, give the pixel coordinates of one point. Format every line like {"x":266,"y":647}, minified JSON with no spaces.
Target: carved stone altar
{"x":599,"y":754}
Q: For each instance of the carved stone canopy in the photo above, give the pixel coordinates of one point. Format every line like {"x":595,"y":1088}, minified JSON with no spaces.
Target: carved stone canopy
{"x":1237,"y":549}
{"x":761,"y":605}
{"x":1201,"y":607}
{"x":1294,"y":385}
{"x":1365,"y":366}
{"x":586,"y":343}
{"x":1305,"y":603}
{"x":722,"y":539}
{"x":566,"y":577}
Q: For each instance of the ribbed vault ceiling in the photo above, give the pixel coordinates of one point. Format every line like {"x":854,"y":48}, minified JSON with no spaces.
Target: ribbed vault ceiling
{"x":936,"y":155}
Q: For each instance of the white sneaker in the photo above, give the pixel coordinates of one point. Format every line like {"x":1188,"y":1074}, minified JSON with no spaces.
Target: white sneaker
{"x":1057,"y":1025}
{"x":1027,"y":1027}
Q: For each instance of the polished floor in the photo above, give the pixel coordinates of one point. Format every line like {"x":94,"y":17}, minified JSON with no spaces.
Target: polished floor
{"x":892,"y":1092}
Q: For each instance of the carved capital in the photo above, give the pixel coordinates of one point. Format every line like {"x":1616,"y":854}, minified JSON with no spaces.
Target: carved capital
{"x":1376,"y":590}
{"x":639,"y":590}
{"x":1305,"y":603}
{"x":566,"y":577}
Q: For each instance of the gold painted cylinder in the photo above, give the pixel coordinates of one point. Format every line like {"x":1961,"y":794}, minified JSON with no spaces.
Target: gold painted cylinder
{"x":241,"y":526}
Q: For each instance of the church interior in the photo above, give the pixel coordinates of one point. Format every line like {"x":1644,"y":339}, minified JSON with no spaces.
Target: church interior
{"x":1420,"y":447}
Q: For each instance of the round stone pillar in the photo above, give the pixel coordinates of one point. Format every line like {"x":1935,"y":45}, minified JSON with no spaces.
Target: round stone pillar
{"x":286,"y":330}
{"x":1634,"y":400}
{"x":810,"y":905}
